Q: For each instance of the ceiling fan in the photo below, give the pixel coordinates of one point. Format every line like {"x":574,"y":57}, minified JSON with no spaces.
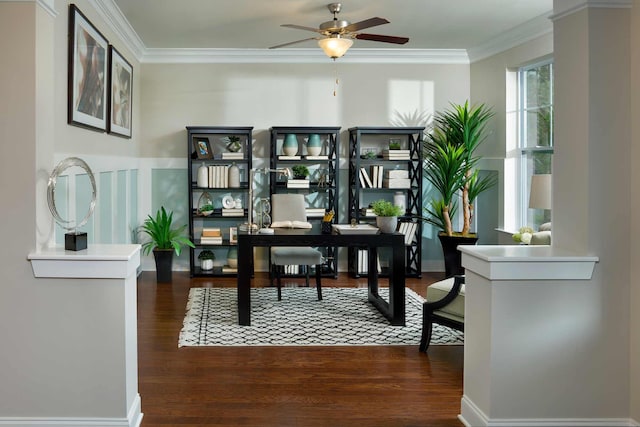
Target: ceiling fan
{"x":337,"y":35}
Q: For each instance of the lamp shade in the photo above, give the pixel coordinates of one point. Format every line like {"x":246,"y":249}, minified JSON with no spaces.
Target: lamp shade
{"x":335,"y":47}
{"x":540,"y":194}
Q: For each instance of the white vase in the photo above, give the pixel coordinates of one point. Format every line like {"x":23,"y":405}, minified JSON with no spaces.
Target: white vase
{"x":203,"y":176}
{"x":387,"y":224}
{"x":400,"y":200}
{"x":234,"y":176}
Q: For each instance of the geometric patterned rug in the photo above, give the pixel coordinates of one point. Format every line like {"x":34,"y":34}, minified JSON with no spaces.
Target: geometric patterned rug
{"x":343,"y":317}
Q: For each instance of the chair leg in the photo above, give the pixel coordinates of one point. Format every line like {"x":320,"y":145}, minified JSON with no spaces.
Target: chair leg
{"x":427,"y":329}
{"x":271,"y":273}
{"x":306,"y":275}
{"x":318,"y":279}
{"x":279,"y":281}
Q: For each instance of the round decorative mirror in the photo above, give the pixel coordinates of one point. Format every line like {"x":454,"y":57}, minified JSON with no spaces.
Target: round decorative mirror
{"x":73,"y":241}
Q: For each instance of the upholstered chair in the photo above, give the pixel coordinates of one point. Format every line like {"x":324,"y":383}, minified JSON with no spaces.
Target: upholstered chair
{"x":291,"y":207}
{"x":445,"y":306}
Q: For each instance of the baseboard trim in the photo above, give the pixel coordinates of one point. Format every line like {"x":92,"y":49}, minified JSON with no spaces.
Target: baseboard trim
{"x":134,"y":419}
{"x":472,"y":416}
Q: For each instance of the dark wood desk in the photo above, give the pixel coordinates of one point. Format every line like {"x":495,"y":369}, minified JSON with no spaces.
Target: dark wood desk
{"x":394,"y":309}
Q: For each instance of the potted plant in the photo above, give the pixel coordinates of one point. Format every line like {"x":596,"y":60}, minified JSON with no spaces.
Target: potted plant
{"x":386,"y":215}
{"x":300,"y":171}
{"x":206,"y":258}
{"x":450,"y":162}
{"x":165,"y":239}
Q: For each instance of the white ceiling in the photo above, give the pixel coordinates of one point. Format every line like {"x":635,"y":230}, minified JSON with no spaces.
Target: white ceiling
{"x":255,"y":24}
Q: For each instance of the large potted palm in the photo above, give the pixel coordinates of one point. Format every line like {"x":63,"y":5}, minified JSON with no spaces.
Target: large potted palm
{"x":165,"y":239}
{"x":450,"y":166}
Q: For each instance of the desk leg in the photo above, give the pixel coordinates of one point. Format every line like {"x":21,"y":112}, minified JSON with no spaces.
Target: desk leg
{"x":372,"y":277}
{"x":244,"y":282}
{"x":394,"y":309}
{"x":397,"y":286}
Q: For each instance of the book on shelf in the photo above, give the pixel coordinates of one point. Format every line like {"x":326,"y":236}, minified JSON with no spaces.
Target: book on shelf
{"x":321,"y":157}
{"x":374,"y":176}
{"x":210,"y":240}
{"x":409,"y":230}
{"x":233,"y":156}
{"x":283,"y":157}
{"x":396,"y":173}
{"x":396,"y":183}
{"x":211,"y":232}
{"x":367,"y":212}
{"x":232,"y":212}
{"x":396,"y":154}
{"x":218,"y":176}
{"x":314,"y":212}
{"x":364,"y":175}
{"x":226,"y":269}
{"x":297,"y":183}
{"x":291,"y":269}
{"x":380,"y":175}
{"x":387,"y":151}
{"x":363,"y":262}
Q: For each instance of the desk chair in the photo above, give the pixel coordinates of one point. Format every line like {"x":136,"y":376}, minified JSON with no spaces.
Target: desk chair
{"x":291,"y":207}
{"x":444,"y":305}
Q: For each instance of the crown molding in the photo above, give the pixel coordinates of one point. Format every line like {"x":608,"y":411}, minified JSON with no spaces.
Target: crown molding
{"x":48,"y":7}
{"x":516,"y":36}
{"x":114,"y":18}
{"x":311,"y":56}
{"x":571,"y":7}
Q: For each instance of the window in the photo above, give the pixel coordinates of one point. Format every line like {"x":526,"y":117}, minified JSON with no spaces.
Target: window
{"x":535,"y":135}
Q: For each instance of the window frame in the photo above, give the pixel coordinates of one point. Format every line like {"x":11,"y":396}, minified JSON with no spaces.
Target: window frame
{"x":524,"y":150}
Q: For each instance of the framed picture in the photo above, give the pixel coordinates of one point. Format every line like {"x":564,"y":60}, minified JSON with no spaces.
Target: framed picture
{"x":87,"y":79}
{"x":233,"y":235}
{"x":120,"y":91}
{"x":202,"y":148}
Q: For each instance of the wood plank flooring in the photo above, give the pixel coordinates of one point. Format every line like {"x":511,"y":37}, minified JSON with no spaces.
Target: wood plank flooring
{"x":286,"y":386}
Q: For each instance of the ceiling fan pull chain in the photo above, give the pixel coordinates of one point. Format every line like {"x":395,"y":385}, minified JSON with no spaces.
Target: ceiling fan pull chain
{"x":336,"y":81}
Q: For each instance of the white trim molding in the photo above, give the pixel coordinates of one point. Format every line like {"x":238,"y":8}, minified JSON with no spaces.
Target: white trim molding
{"x":530,"y":30}
{"x":569,"y":7}
{"x":134,"y":419}
{"x":115,"y":19}
{"x":225,"y":56}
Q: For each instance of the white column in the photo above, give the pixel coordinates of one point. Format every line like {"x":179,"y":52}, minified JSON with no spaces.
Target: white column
{"x":112,"y":375}
{"x":532,"y":320}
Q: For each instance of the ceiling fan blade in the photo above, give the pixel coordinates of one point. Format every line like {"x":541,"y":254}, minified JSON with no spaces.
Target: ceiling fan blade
{"x":300,"y":27}
{"x":367,"y":23}
{"x":290,"y":43}
{"x":381,"y":38}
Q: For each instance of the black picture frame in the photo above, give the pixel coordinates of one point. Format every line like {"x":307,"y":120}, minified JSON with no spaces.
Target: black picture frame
{"x":202,"y":148}
{"x":87,"y":73}
{"x":120,"y":96}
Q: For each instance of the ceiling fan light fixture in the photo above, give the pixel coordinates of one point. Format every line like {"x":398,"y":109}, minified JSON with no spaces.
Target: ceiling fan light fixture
{"x":335,"y":47}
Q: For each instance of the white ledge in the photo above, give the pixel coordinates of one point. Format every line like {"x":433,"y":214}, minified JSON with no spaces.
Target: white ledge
{"x":97,"y":261}
{"x":522,"y":262}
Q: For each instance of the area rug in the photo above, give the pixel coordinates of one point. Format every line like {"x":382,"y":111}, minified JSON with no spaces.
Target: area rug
{"x":343,"y":317}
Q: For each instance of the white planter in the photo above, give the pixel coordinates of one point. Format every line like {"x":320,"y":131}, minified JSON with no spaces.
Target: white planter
{"x":206,"y":264}
{"x":387,"y":224}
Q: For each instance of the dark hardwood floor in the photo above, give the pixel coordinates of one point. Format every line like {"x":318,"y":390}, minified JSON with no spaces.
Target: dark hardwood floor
{"x":286,"y":386}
